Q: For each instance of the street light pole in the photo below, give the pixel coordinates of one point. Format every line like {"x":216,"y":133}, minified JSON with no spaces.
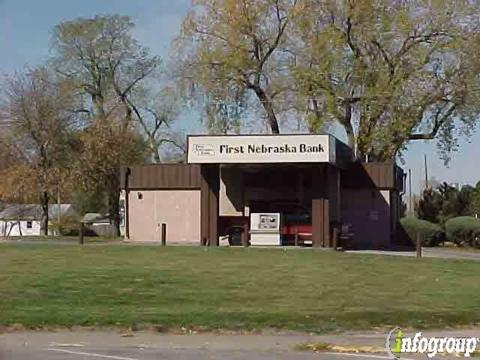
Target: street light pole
{"x":410,"y":204}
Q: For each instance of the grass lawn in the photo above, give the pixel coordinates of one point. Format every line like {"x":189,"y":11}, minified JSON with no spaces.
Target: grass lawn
{"x":232,"y":288}
{"x":51,"y":238}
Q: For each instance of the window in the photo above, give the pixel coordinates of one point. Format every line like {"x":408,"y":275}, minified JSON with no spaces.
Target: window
{"x":29,"y":224}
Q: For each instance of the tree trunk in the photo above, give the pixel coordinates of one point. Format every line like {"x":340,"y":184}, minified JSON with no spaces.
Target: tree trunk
{"x":347,"y":124}
{"x":156,"y":157}
{"x":114,"y":203}
{"x":155,"y":151}
{"x":44,"y":200}
{"x":98,"y":106}
{"x":316,"y":110}
{"x":350,"y":136}
{"x":268,"y":107}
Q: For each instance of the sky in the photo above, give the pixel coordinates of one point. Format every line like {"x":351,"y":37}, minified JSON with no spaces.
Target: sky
{"x":26,"y":25}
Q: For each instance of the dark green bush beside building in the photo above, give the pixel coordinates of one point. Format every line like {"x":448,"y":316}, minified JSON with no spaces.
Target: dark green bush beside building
{"x":431,"y":234}
{"x":463,"y":231}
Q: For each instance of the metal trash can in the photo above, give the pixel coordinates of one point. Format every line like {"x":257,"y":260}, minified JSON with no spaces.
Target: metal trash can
{"x":235,"y":234}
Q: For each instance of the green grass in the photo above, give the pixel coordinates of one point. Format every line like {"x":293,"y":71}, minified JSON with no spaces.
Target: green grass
{"x":225,"y":288}
{"x":73,"y":239}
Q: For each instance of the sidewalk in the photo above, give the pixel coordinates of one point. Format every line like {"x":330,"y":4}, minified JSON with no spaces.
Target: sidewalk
{"x":436,"y":252}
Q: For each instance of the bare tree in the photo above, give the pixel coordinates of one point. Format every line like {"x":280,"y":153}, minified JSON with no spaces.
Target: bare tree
{"x":36,"y":124}
{"x":155,"y":109}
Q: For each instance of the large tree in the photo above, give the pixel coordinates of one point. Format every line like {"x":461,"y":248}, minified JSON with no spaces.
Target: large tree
{"x":391,"y":71}
{"x":106,"y":146}
{"x":8,"y":155}
{"x":387,"y":72}
{"x":106,"y":63}
{"x":36,"y":126}
{"x":156,"y":106}
{"x":232,"y":50}
{"x":107,"y":66}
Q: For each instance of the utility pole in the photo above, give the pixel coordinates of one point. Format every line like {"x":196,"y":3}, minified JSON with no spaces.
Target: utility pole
{"x":426,"y":172}
{"x":410,"y":205}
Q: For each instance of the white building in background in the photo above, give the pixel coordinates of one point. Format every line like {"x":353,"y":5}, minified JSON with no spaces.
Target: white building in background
{"x":24,"y":219}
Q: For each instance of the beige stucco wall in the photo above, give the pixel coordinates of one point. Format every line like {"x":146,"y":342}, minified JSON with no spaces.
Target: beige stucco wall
{"x":231,"y":196}
{"x":179,"y":209}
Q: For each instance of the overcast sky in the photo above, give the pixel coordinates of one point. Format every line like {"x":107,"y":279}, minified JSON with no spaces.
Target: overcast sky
{"x":25,"y":28}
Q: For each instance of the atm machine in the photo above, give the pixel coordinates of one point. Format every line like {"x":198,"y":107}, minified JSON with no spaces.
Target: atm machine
{"x":265,"y":229}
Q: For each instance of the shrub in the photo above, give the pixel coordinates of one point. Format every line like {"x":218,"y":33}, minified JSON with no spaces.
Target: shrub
{"x":431,"y":234}
{"x":464,"y":231}
{"x":68,"y":226}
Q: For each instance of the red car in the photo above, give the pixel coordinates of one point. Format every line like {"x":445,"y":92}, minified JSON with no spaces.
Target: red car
{"x":296,"y":220}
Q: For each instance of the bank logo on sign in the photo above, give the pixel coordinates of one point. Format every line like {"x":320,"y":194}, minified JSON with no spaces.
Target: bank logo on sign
{"x":397,"y":343}
{"x":203,"y":149}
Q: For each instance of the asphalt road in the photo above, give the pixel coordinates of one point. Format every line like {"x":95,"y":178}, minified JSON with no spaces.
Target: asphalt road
{"x":113,"y":345}
{"x":148,"y":354}
{"x":83,"y":346}
{"x":178,"y":354}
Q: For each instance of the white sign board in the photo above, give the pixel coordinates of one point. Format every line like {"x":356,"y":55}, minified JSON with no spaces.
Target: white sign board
{"x":243,"y":149}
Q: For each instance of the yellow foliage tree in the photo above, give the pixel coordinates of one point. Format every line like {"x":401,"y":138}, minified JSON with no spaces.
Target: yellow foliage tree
{"x":36,"y":124}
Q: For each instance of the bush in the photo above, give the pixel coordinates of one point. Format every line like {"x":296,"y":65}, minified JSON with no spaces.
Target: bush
{"x":464,"y":231}
{"x":431,"y":234}
{"x":68,"y":226}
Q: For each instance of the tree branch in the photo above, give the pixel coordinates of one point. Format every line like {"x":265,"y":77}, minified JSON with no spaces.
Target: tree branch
{"x":438,"y":122}
{"x":356,"y":51}
{"x":174,"y":143}
{"x":385,"y":56}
